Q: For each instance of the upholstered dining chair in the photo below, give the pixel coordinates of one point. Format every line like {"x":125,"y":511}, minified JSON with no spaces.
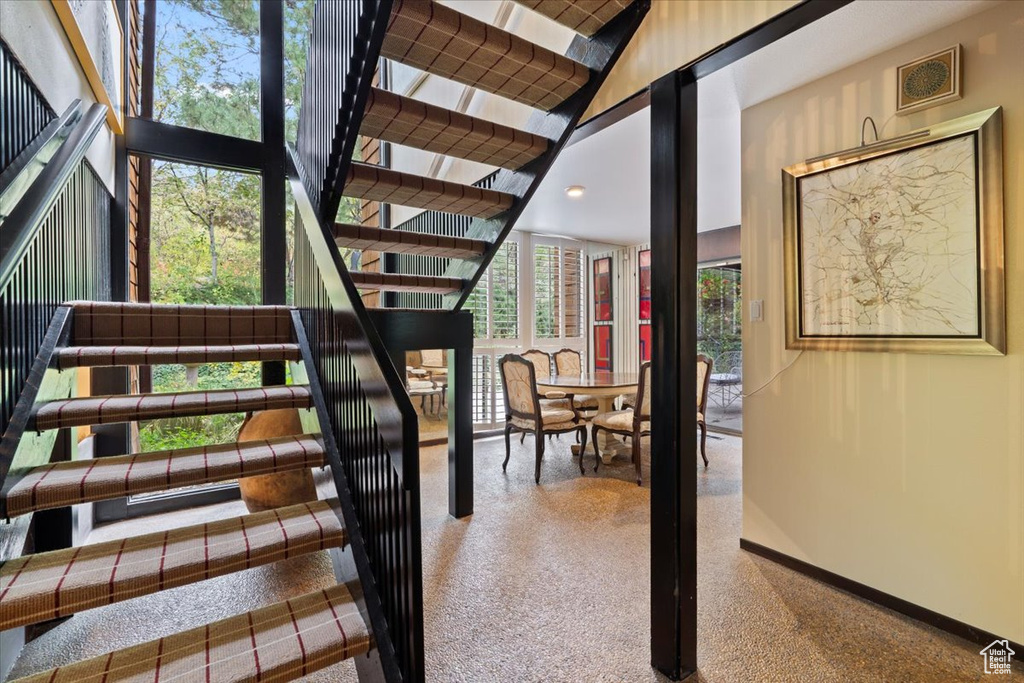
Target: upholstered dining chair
{"x":542,"y":365}
{"x":569,"y":362}
{"x":704,"y":364}
{"x":632,"y":422}
{"x":525,"y":413}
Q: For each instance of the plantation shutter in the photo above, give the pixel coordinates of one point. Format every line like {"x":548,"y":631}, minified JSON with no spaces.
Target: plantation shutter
{"x":547,"y":299}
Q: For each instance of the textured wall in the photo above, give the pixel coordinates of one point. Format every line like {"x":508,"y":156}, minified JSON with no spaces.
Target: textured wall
{"x":904,"y":472}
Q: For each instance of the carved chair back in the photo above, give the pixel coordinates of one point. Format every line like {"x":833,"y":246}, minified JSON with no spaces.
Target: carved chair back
{"x":569,"y":362}
{"x":519,"y":382}
{"x":541,"y":362}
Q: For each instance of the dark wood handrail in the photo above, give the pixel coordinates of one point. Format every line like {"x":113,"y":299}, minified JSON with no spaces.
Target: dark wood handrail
{"x":393,"y":409}
{"x":25,"y":218}
{"x":17,"y":178}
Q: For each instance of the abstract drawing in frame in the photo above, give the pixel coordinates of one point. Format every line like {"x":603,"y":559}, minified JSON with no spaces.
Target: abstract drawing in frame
{"x":645,"y":343}
{"x":603,"y":348}
{"x":898,"y":245}
{"x":603,"y":289}
{"x":94,"y":29}
{"x":645,"y":284}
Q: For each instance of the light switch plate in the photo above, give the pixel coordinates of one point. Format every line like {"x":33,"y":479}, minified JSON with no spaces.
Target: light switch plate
{"x":757,"y":310}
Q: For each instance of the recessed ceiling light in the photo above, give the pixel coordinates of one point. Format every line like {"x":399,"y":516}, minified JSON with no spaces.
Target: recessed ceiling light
{"x":575,"y":191}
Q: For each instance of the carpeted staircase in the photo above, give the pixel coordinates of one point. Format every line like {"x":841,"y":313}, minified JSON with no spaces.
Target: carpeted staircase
{"x":443,"y":42}
{"x":287,"y":640}
{"x":275,"y":643}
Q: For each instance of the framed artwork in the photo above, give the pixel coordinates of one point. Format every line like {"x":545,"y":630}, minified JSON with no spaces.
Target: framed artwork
{"x":603,"y":348}
{"x":898,"y":246}
{"x":603,"y":289}
{"x":645,"y":284}
{"x":94,"y":30}
{"x":929,"y":81}
{"x":645,"y":342}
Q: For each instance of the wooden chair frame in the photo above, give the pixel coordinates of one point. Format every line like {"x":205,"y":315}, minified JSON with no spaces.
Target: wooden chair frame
{"x":584,"y":408}
{"x":538,"y":431}
{"x":703,"y":406}
{"x":635,"y":433}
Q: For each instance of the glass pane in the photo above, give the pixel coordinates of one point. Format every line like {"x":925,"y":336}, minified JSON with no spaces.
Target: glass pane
{"x":719,"y":323}
{"x":573,"y":293}
{"x":546,"y":288}
{"x":298,"y":17}
{"x":204,"y":249}
{"x":207,"y":71}
{"x":505,"y":292}
{"x":205,"y":235}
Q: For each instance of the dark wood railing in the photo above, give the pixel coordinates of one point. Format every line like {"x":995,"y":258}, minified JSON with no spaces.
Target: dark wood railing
{"x":372,"y":439}
{"x":344,"y":45}
{"x":54,"y":247}
{"x":373,"y":442}
{"x":23,"y":111}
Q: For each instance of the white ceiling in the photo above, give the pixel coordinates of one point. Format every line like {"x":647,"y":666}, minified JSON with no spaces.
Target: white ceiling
{"x":614,"y":164}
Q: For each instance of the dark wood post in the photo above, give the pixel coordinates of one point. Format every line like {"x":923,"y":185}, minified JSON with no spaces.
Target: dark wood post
{"x":274,"y":251}
{"x":674,"y":376}
{"x":460,"y":429}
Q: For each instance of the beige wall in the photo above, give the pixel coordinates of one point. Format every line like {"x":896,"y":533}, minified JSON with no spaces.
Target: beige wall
{"x":903,"y":472}
{"x":34,"y":33}
{"x":675,"y":32}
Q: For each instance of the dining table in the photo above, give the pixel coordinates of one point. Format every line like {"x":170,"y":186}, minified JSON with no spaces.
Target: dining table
{"x":605,"y":387}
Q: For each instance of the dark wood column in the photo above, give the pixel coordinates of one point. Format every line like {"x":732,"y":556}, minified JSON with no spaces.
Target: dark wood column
{"x":274,"y":248}
{"x":674,"y":376}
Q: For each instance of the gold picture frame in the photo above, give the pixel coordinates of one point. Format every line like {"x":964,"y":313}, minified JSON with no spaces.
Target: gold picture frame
{"x":929,"y":81}
{"x":897,"y":246}
{"x":99,"y":47}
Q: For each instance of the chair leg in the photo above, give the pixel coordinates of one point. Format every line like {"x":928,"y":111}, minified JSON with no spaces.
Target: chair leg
{"x":636,"y":457}
{"x":522,"y":438}
{"x":540,"y":454}
{"x":581,"y":436}
{"x":597,"y":450}
{"x":703,"y":440}
{"x":508,"y":446}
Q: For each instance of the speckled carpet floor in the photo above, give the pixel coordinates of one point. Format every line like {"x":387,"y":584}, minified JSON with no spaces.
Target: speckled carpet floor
{"x":549,"y":583}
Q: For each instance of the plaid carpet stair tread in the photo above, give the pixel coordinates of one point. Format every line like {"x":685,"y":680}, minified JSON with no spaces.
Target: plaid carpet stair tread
{"x":378,"y":184}
{"x":55,"y":584}
{"x":94,"y":410}
{"x":97,"y":323}
{"x":84,"y":481}
{"x":441,"y":41}
{"x":396,"y":282}
{"x":583,"y":16}
{"x":110,"y":356}
{"x":406,"y":242}
{"x":412,"y":123}
{"x":272,"y":644}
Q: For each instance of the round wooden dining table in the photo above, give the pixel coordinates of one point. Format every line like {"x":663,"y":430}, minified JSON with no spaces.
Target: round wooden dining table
{"x":604,"y":386}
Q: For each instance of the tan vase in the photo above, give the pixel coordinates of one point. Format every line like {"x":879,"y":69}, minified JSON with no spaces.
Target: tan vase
{"x":268,"y":491}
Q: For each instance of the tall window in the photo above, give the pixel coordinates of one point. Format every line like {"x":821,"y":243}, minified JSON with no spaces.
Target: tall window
{"x":558,"y":294}
{"x":207,"y":71}
{"x":495,"y":301}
